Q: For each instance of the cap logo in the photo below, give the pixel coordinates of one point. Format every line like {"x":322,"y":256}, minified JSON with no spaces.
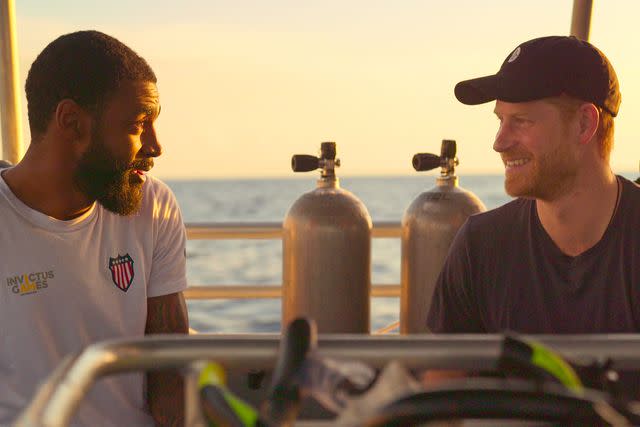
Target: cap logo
{"x":514,"y":55}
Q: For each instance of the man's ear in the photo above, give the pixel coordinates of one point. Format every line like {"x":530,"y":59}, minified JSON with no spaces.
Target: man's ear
{"x":589,"y":117}
{"x":72,"y":121}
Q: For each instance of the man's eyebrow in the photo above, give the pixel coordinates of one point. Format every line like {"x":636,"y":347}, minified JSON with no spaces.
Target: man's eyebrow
{"x":149,"y":110}
{"x":512,"y":114}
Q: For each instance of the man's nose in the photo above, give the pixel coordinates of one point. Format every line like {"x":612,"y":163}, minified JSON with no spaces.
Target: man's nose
{"x":150,"y":144}
{"x":503,"y":138}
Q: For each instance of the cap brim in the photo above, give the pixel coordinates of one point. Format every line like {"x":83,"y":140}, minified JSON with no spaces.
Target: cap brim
{"x":477,"y":91}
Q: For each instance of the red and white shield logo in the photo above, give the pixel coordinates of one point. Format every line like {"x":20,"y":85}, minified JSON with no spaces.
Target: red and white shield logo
{"x":121,"y":271}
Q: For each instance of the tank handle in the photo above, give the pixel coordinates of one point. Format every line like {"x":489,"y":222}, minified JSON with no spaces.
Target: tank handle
{"x":425,"y":161}
{"x":304,"y":163}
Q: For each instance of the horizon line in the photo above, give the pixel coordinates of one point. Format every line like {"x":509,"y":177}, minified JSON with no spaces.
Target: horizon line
{"x":303,"y":176}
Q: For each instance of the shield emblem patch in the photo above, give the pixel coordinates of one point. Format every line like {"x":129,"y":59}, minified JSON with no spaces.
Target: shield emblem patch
{"x":121,"y":271}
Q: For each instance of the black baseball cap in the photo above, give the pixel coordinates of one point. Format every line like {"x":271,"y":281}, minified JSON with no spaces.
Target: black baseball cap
{"x":546,"y":67}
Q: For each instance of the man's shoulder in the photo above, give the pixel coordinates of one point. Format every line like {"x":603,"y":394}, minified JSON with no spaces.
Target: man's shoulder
{"x":156,"y":187}
{"x":497,"y":228}
{"x":157,"y":193}
{"x":631,"y":187}
{"x":500,"y":218}
{"x":630,"y":202}
{"x":158,"y":201}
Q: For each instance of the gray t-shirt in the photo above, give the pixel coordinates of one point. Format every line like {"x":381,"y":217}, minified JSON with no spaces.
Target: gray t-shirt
{"x":504,"y":272}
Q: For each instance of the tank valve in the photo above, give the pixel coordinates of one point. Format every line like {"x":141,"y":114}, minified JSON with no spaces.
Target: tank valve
{"x":447,"y":159}
{"x":327,"y":161}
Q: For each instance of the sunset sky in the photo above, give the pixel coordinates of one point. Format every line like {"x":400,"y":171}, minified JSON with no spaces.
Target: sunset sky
{"x":246,"y":84}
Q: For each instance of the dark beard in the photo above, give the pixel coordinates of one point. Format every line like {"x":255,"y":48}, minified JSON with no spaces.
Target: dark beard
{"x":111,"y":182}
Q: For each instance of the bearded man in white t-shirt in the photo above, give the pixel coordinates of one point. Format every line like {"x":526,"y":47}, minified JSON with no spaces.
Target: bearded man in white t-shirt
{"x":91,"y":247}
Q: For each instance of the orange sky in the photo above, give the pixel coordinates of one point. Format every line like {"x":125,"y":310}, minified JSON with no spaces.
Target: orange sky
{"x":246,"y":84}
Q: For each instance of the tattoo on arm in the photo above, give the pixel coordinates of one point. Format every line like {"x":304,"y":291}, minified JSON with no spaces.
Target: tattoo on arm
{"x":166,"y":314}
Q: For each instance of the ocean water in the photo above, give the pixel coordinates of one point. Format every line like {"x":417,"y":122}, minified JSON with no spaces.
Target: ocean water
{"x":255,"y":262}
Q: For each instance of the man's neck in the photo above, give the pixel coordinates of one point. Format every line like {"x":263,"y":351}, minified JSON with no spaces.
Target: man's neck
{"x":41,"y":186}
{"x":577,"y":220}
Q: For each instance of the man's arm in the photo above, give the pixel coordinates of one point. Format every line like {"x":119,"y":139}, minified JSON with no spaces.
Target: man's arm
{"x":166,"y":314}
{"x":452,"y":309}
{"x":455,"y":304}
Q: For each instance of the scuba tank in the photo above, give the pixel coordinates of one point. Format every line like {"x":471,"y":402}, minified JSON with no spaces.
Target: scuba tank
{"x":428,"y":227}
{"x":327,"y":252}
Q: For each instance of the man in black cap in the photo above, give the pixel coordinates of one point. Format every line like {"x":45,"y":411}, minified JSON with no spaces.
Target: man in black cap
{"x":564,"y":257}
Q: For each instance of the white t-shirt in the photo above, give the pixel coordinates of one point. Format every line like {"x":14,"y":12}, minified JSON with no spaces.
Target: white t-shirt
{"x":67,"y":284}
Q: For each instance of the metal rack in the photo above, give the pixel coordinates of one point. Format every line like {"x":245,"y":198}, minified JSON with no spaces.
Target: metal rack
{"x":58,"y":397}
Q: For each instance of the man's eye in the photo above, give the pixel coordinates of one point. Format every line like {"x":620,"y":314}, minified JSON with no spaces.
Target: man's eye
{"x":138,"y":127}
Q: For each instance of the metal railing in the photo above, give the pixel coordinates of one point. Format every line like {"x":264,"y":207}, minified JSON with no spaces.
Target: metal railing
{"x":267,"y":231}
{"x":59,"y":397}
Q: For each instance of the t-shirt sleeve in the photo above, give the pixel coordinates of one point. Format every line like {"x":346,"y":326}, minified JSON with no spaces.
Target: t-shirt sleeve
{"x":168,"y":268}
{"x":454,"y":307}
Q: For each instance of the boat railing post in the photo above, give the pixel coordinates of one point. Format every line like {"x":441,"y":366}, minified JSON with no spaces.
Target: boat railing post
{"x":192,"y":413}
{"x":33,"y":413}
{"x":10,"y":112}
{"x":581,"y":19}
